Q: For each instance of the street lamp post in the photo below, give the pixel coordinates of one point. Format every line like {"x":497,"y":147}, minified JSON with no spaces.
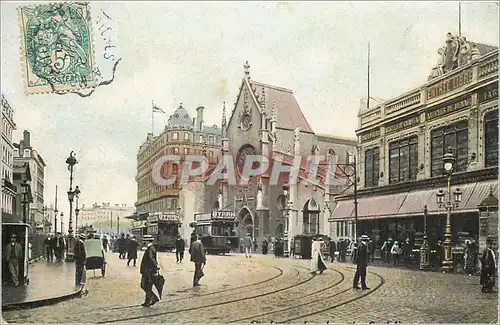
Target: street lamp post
{"x":24,"y":201}
{"x":448,"y":162}
{"x":71,"y":161}
{"x":424,"y":248}
{"x":77,"y":210}
{"x":350,"y":171}
{"x":62,"y":230}
{"x":284,"y":205}
{"x":55,"y":221}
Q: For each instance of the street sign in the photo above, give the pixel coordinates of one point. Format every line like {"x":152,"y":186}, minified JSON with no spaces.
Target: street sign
{"x":202,"y":216}
{"x":223,"y":215}
{"x":153,"y":218}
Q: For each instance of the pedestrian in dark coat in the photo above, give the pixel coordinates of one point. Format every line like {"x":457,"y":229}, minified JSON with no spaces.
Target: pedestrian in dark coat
{"x":488,"y":268}
{"x":192,"y":238}
{"x":371,"y":250}
{"x":122,"y":246}
{"x":149,"y":267}
{"x":265,"y":246}
{"x":361,"y":264}
{"x":80,"y":257}
{"x":59,"y":247}
{"x":105,"y":243}
{"x":132,"y":248}
{"x":14,"y":258}
{"x":332,"y":249}
{"x":197,"y":251}
{"x":278,"y":248}
{"x":180,"y":246}
{"x":47,"y":244}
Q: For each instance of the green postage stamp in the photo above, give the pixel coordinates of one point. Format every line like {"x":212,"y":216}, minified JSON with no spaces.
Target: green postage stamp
{"x":57,"y":49}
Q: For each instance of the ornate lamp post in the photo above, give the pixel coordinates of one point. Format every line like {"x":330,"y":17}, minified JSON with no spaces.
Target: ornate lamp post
{"x":77,"y":211}
{"x":448,"y":162}
{"x":424,"y":248}
{"x":351,"y":172}
{"x":284,"y":206}
{"x":71,"y":161}
{"x":62,"y":230}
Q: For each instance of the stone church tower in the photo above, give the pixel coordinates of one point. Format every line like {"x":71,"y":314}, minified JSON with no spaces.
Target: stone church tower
{"x":267,"y":120}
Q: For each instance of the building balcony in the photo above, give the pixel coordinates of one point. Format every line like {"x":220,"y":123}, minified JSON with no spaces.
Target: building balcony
{"x":6,"y":183}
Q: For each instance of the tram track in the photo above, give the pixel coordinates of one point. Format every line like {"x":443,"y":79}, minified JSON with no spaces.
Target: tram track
{"x":246,"y":286}
{"x":215,"y":304}
{"x":307,"y":306}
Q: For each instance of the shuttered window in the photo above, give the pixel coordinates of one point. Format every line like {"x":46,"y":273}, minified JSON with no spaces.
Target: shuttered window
{"x":403,"y":160}
{"x":455,"y":136}
{"x":491,"y":138}
{"x":372,"y":157}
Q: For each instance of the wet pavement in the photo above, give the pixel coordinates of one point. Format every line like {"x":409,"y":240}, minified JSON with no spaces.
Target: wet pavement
{"x":47,"y":280}
{"x":239,"y":289}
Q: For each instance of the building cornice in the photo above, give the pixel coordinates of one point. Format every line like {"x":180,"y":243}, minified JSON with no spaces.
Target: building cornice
{"x":435,"y":182}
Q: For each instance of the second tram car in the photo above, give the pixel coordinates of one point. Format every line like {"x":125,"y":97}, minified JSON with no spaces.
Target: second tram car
{"x":217,"y":230}
{"x":165,"y":229}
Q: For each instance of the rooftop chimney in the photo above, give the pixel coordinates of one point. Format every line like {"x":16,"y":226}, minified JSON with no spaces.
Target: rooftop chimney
{"x":26,"y":139}
{"x":199,"y":117}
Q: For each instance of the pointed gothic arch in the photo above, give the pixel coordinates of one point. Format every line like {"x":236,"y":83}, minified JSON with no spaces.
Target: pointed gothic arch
{"x":310,"y":216}
{"x":245,"y":223}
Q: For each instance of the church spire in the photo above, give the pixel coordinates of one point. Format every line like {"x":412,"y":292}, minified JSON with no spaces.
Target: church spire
{"x":246,"y":69}
{"x":224,"y":121}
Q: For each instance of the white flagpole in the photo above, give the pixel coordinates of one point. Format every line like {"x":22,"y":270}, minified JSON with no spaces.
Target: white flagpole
{"x":152,"y":118}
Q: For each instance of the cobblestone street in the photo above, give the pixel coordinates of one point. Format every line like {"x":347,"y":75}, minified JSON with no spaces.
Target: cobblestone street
{"x":236,"y":289}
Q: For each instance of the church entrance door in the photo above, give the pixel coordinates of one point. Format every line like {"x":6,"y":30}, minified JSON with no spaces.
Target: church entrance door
{"x":245,"y":223}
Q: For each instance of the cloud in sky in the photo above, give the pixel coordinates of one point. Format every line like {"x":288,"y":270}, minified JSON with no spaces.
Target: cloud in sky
{"x":193,"y":53}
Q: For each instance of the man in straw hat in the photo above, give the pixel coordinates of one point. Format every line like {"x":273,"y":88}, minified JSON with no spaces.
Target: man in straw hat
{"x":80,"y":256}
{"x":149,"y":267}
{"x":361,"y":263}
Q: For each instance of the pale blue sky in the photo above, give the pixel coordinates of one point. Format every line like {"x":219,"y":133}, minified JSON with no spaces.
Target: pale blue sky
{"x":193,"y":53}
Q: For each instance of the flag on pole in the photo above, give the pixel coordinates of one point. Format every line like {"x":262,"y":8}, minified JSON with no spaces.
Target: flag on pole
{"x":157,"y":108}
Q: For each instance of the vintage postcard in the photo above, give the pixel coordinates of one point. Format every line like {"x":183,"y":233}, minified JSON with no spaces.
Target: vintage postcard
{"x":57,"y":49}
{"x":250,"y":162}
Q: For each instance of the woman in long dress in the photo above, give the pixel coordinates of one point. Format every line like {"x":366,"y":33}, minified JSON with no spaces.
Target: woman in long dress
{"x":317,"y":261}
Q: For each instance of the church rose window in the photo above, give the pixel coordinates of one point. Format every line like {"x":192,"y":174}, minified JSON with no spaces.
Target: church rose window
{"x":455,"y":136}
{"x":491,"y":138}
{"x":403,"y":160}
{"x":372,"y":157}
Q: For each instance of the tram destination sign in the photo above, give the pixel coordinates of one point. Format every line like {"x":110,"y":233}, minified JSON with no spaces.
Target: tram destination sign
{"x":170,"y":216}
{"x":223,"y":215}
{"x":202,"y":216}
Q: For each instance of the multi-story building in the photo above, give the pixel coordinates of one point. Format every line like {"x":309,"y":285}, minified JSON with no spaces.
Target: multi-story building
{"x":8,"y":188}
{"x":105,"y":216}
{"x":402,"y":143}
{"x":182,"y":136}
{"x":24,"y":153}
{"x":267,"y":120}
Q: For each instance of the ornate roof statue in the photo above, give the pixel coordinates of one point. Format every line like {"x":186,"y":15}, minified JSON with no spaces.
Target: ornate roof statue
{"x":456,"y":53}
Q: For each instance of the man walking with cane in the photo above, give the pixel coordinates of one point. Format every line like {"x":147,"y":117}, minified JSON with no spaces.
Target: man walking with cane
{"x":149,"y":267}
{"x":197,"y":251}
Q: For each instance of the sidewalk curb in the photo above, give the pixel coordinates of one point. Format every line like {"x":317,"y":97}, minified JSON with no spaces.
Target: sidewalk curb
{"x":44,"y":302}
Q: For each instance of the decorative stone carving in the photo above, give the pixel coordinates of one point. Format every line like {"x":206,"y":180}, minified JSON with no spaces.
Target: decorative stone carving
{"x":456,"y":53}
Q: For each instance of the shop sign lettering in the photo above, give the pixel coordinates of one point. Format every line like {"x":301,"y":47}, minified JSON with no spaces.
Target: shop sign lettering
{"x":405,"y":124}
{"x":448,"y":85}
{"x":488,"y":93}
{"x":370,"y":135}
{"x":448,"y":109}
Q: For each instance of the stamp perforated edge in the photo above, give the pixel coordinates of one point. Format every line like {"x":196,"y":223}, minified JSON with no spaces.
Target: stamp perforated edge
{"x":24,"y":64}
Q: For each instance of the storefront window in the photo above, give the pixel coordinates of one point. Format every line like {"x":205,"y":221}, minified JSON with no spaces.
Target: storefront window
{"x":455,"y":136}
{"x":372,"y":158}
{"x":403,"y":160}
{"x":491,"y":138}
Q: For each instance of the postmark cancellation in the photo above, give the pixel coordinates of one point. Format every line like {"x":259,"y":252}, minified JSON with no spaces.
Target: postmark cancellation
{"x":57,"y":48}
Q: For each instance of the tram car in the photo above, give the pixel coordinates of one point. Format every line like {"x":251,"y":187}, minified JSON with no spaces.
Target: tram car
{"x":165,"y":229}
{"x":217,"y":230}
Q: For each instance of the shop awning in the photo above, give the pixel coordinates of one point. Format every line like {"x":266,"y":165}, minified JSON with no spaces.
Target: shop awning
{"x":480,"y":192}
{"x":343,"y":210}
{"x":381,"y":206}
